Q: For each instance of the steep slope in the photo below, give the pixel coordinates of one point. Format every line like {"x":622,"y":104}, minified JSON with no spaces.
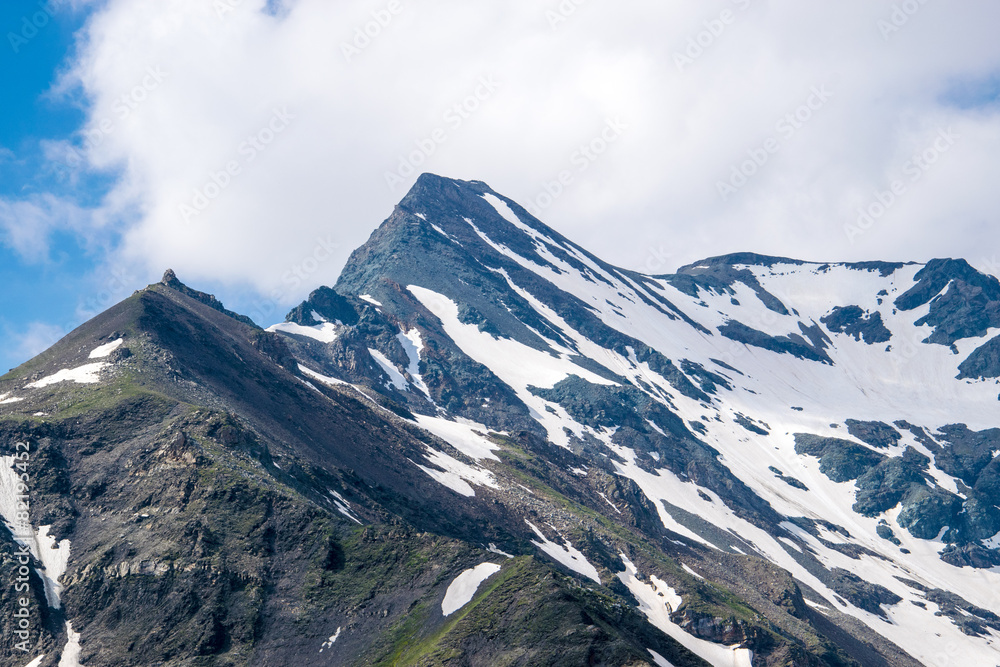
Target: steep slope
{"x":835,"y":423}
{"x":486,"y":446}
{"x":192,"y":495}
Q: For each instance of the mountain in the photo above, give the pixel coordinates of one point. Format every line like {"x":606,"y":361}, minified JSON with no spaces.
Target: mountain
{"x":486,"y":446}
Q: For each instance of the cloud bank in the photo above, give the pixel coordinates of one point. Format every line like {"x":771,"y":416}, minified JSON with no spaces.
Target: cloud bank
{"x":257,"y":143}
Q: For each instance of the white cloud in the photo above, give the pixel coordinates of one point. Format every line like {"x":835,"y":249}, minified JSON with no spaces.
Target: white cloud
{"x":177,"y":90}
{"x":26,"y":224}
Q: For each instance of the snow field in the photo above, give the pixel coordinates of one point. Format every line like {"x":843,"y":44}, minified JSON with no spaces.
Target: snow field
{"x":463,"y":588}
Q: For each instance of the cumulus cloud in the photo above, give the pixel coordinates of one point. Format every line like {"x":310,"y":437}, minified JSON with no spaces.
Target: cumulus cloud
{"x":258,"y":143}
{"x":26,"y":224}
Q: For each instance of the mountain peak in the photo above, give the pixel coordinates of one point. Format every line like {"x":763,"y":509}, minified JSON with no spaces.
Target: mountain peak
{"x":170,"y":280}
{"x":715,"y":452}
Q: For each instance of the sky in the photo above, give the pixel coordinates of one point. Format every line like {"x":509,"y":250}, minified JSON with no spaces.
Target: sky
{"x":251,"y":145}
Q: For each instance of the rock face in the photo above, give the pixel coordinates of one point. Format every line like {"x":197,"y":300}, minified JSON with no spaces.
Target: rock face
{"x":964,"y":303}
{"x":856,"y":322}
{"x":752,"y":461}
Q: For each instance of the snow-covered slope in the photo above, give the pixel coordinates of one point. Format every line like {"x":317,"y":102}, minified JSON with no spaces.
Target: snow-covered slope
{"x":837,"y":421}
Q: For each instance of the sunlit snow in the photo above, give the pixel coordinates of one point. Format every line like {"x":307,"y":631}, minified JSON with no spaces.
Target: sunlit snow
{"x":461,"y":591}
{"x":53,"y":556}
{"x":71,"y":651}
{"x":565,"y":554}
{"x":86,"y":374}
{"x":905,"y":379}
{"x":413,"y":344}
{"x":457,"y":475}
{"x":106,"y":349}
{"x":656,"y":603}
{"x":460,"y":435}
{"x":659,"y":660}
{"x":344,"y":507}
{"x":331,"y":640}
{"x":396,"y":378}
{"x":325,"y":332}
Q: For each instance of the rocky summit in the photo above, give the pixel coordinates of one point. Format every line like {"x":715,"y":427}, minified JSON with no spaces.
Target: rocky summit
{"x":487,"y":446}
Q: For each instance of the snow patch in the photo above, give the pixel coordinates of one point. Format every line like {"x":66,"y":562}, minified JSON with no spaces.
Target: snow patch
{"x":993,"y":542}
{"x":396,"y":378}
{"x":322,"y":378}
{"x":86,"y":374}
{"x":457,"y":475}
{"x":331,"y":640}
{"x":655,"y":604}
{"x":816,"y":605}
{"x":659,"y":659}
{"x":53,"y":556}
{"x":413,"y":345}
{"x":344,"y":507}
{"x":691,"y":572}
{"x":615,"y":507}
{"x":461,"y":591}
{"x":445,"y":234}
{"x":326,"y":332}
{"x":517,"y":365}
{"x":793,"y":545}
{"x":462,"y":437}
{"x":369,"y":299}
{"x":493,"y":549}
{"x":71,"y":651}
{"x":566,"y":555}
{"x":106,"y":349}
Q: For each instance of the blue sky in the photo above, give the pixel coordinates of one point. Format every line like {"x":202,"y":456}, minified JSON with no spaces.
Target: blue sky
{"x":650,"y":114}
{"x":47,"y":291}
{"x":44,"y":289}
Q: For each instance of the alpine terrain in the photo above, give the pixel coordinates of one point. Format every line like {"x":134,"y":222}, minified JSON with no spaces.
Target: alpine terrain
{"x":485,"y":446}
